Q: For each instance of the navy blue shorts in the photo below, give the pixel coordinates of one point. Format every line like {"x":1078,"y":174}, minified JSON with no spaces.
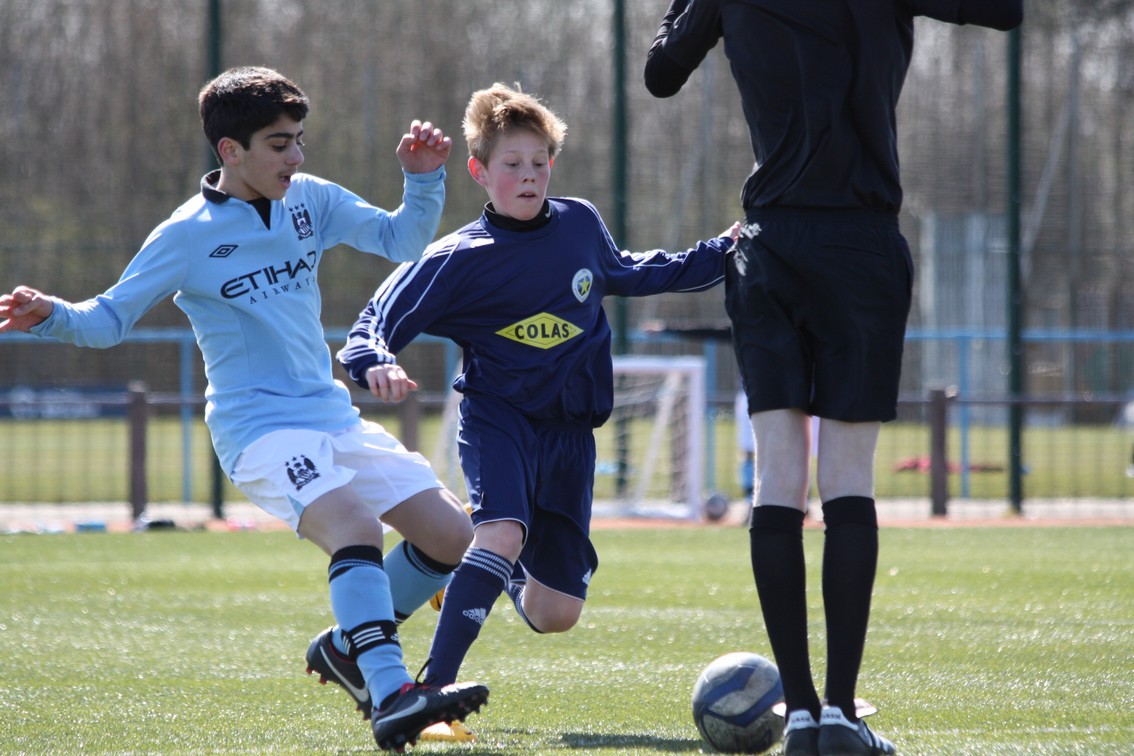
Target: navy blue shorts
{"x":538,"y":475}
{"x":819,"y":302}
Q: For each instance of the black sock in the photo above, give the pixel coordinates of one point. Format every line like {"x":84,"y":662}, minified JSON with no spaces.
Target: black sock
{"x":850,"y":560}
{"x":776,"y":541}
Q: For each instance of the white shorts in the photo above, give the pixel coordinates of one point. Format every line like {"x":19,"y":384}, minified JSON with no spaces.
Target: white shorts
{"x":285,"y":471}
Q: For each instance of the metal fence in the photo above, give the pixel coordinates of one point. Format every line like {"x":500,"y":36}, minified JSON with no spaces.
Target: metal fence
{"x":948,"y":443}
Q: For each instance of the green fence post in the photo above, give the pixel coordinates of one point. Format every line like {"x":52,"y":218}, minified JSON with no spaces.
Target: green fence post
{"x":138,"y":414}
{"x":938,"y":451}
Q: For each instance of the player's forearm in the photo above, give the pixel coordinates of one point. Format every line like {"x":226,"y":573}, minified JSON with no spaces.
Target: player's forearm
{"x":656,"y":271}
{"x":1003,"y":15}
{"x":356,"y":359}
{"x":664,"y":76}
{"x":93,"y":323}
{"x":704,"y":266}
{"x":414,"y":224}
{"x":994,"y":14}
{"x":364,"y":348}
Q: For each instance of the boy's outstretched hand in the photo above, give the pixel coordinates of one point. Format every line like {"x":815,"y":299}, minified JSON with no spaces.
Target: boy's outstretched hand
{"x":24,"y":308}
{"x":424,"y":149}
{"x":389,"y":382}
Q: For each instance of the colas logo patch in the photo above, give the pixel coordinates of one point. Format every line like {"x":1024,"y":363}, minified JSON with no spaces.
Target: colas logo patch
{"x":543,"y":331}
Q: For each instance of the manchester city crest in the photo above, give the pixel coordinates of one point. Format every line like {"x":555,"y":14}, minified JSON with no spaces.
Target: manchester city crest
{"x":301,"y":471}
{"x":301,"y":219}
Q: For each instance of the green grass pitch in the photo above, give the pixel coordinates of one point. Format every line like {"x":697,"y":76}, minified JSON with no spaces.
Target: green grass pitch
{"x":1003,"y":640}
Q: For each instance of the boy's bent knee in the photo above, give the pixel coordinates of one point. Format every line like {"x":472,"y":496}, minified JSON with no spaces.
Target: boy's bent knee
{"x":434,"y":521}
{"x":552,"y":618}
{"x":445,"y":543}
{"x":449,"y":542}
{"x":551,"y":611}
{"x":339,"y":519}
{"x":504,"y":537}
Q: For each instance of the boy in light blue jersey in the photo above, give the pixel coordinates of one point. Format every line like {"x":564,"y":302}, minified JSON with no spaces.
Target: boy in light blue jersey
{"x":520,"y":289}
{"x":241,"y":260}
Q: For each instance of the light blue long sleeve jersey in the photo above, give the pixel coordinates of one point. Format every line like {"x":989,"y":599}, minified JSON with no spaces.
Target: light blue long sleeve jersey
{"x":251,"y":292}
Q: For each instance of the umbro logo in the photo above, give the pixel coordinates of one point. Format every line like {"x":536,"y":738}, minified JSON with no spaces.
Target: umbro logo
{"x":224,"y":250}
{"x":479,"y":616}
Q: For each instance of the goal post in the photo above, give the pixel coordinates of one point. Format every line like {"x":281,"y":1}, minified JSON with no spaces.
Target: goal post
{"x":655,"y":437}
{"x":661,"y":404}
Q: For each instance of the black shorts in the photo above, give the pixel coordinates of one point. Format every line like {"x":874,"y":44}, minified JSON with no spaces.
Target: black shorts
{"x":819,"y":302}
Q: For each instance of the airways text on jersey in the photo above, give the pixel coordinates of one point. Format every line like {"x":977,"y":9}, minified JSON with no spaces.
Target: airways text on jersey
{"x":543,"y":331}
{"x":278,"y":276}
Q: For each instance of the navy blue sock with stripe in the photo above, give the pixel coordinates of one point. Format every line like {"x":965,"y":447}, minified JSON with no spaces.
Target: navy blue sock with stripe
{"x":360,"y":600}
{"x":477,"y":582}
{"x":516,"y":590}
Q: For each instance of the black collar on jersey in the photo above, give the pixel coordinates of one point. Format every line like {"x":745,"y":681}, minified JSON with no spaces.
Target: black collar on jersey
{"x":543,"y":217}
{"x":209,"y":190}
{"x":209,"y":187}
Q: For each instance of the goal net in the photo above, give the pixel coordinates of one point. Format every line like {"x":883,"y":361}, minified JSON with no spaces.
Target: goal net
{"x":650,"y":452}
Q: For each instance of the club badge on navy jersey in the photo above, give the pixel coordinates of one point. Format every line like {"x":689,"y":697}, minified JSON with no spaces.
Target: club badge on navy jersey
{"x":301,"y":219}
{"x":581,"y":284}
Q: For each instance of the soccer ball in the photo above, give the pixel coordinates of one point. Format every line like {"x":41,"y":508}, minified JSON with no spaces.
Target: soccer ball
{"x":733,"y":700}
{"x":716,"y":507}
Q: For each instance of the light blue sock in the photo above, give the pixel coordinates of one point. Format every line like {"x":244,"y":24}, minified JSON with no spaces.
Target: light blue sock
{"x":360,"y":600}
{"x":415,"y":578}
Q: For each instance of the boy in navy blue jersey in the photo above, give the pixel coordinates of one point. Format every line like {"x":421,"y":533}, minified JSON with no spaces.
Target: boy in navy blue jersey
{"x":520,"y":290}
{"x":818,"y":293}
{"x":241,"y":260}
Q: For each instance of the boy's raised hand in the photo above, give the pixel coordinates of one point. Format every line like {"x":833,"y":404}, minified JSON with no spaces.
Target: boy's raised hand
{"x":24,"y":308}
{"x":424,"y":149}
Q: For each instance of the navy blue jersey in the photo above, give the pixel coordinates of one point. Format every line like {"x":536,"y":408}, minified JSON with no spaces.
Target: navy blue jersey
{"x":526,"y":309}
{"x":819,"y":82}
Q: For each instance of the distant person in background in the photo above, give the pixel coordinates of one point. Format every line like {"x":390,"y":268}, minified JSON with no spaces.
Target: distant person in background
{"x":745,"y":446}
{"x":818,"y":293}
{"x":241,"y":260}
